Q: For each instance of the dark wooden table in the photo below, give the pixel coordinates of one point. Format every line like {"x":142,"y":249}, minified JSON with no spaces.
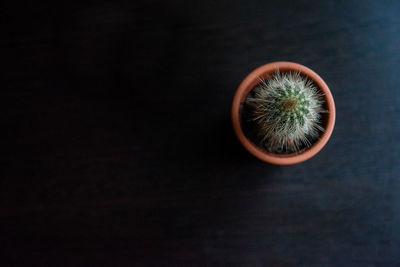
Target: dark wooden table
{"x":118,"y":148}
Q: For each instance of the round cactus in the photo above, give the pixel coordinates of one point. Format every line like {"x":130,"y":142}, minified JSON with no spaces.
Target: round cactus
{"x":287,"y":110}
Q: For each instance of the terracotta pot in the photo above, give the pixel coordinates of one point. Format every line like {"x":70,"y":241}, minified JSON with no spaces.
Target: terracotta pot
{"x":265,"y":72}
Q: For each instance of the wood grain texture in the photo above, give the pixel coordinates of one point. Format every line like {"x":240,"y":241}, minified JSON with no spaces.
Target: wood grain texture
{"x":118,"y":148}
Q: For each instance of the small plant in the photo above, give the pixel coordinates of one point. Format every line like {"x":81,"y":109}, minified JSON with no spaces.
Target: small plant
{"x":287,"y":111}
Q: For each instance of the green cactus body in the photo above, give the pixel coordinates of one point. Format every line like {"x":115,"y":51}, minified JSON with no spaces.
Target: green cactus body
{"x":287,"y":110}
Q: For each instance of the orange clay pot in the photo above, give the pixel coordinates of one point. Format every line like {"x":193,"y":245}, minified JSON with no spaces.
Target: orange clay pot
{"x":265,"y":72}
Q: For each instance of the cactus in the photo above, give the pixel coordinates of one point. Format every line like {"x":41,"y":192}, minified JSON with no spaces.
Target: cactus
{"x":286,"y":109}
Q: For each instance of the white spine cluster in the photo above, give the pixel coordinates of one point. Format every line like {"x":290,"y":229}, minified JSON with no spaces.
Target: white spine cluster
{"x":287,"y":111}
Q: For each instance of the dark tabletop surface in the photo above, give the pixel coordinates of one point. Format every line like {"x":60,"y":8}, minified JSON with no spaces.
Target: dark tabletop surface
{"x":118,"y":147}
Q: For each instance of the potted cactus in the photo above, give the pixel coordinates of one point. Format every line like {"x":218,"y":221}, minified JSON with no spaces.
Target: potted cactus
{"x":283,"y":113}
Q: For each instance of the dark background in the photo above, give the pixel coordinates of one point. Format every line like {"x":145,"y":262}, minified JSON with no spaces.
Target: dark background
{"x":118,"y":147}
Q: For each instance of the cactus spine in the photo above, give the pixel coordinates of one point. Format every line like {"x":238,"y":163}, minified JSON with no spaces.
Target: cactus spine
{"x":287,"y":111}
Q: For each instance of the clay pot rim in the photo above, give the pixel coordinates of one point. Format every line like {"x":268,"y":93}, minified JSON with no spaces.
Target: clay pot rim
{"x":250,"y":82}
